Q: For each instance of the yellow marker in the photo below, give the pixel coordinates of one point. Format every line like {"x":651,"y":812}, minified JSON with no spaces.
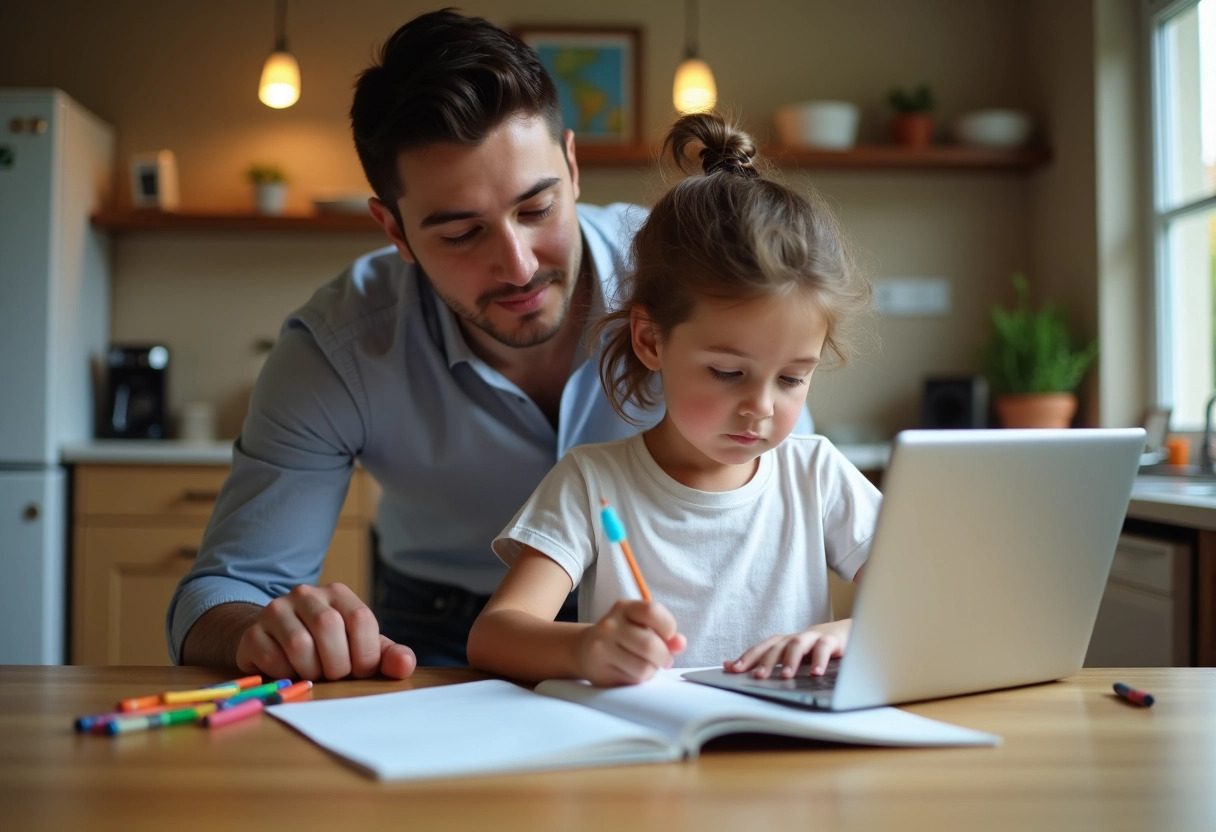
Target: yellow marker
{"x":178,"y":697}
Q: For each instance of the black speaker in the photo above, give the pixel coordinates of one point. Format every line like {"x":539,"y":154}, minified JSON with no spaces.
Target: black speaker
{"x":956,"y":402}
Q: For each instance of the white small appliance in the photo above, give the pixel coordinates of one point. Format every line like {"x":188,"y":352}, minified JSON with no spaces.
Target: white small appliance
{"x":56,"y":162}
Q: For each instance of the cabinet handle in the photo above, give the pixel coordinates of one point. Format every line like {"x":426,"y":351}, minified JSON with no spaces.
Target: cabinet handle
{"x":198,"y":495}
{"x":187,"y":552}
{"x":32,"y":511}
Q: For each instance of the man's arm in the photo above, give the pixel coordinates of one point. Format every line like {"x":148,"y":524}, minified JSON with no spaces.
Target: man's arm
{"x":214,"y":638}
{"x":247,"y":600}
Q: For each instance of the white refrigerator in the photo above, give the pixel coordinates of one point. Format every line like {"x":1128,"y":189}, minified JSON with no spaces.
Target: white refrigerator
{"x":56,"y":162}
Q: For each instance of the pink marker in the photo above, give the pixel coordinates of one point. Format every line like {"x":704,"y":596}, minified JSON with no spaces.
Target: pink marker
{"x":220,"y":718}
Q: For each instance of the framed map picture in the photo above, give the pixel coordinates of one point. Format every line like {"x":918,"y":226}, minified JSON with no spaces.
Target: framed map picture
{"x":598,"y":76}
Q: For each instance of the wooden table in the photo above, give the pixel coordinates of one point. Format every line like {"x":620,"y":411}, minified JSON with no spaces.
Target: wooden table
{"x":1075,"y":757}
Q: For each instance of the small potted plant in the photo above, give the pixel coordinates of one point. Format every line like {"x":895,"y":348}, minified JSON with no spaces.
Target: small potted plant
{"x":1032,"y":366}
{"x":912,"y":125}
{"x":269,"y":187}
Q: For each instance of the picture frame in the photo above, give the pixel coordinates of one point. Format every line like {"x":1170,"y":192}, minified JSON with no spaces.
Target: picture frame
{"x":598,"y":74}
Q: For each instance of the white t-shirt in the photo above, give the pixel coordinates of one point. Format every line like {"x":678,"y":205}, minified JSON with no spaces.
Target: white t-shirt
{"x":734,"y":567}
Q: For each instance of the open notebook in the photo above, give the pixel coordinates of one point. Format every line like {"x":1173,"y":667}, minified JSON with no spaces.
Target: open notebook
{"x":494,"y":727}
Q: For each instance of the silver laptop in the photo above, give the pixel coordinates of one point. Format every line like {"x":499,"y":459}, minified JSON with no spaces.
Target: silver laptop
{"x":987,"y":567}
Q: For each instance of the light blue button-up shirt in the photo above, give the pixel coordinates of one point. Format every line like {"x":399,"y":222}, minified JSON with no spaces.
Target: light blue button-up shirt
{"x":375,"y":368}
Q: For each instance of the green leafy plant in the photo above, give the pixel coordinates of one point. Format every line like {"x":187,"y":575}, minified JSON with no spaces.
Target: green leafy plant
{"x":260,"y":174}
{"x":1031,"y":350}
{"x":917,"y":100}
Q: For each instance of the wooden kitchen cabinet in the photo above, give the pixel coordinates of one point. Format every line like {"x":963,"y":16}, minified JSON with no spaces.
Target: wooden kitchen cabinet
{"x":1205,"y":601}
{"x":136,"y":531}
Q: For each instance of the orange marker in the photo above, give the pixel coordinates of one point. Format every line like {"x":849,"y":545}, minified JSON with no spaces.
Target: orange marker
{"x":244,"y":683}
{"x":139,"y":703}
{"x":297,"y":691}
{"x":616,"y":533}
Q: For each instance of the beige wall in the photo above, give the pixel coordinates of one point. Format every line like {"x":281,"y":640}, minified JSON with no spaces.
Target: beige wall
{"x":183,"y":76}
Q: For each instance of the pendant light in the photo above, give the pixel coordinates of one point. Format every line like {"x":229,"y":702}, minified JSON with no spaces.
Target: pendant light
{"x":694,"y":90}
{"x":280,"y":84}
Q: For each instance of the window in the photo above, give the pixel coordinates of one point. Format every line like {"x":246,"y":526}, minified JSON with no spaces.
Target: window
{"x":1183,"y":50}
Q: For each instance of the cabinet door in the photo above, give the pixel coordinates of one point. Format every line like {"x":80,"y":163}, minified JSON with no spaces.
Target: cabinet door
{"x":1134,"y":629}
{"x":347,"y":561}
{"x":124,"y":578}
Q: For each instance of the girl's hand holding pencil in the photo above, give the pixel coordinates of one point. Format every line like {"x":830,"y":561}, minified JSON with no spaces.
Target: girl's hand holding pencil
{"x":635,"y":638}
{"x":629,"y":644}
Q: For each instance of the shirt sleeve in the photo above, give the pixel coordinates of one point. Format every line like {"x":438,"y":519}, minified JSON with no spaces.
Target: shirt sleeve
{"x":555,"y":521}
{"x":291,"y":469}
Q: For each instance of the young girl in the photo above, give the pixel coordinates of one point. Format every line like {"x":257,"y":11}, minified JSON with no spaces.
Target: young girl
{"x":740,"y":287}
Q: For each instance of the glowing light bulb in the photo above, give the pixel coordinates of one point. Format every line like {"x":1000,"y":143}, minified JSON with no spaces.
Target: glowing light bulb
{"x":280,"y":84}
{"x":694,"y":90}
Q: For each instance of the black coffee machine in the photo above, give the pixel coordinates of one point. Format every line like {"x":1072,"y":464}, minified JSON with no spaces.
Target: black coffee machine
{"x":134,"y":404}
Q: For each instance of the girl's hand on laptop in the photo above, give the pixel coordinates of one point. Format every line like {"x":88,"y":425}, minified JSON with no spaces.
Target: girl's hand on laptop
{"x":819,"y":643}
{"x":629,"y":644}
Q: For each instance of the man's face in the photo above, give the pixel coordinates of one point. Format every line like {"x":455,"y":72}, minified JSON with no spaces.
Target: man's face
{"x":494,"y":228}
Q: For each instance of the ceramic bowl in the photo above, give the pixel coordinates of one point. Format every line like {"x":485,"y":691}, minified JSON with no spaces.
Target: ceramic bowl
{"x":823,"y":125}
{"x":993,"y":128}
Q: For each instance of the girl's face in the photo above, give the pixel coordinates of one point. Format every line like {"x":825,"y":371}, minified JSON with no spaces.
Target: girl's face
{"x":735,"y":377}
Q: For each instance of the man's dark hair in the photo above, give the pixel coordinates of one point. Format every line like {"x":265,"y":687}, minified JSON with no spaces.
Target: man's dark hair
{"x":444,"y":77}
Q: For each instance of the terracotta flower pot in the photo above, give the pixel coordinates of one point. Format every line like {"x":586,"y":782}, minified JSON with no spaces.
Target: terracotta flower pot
{"x":1036,"y":410}
{"x":912,"y":130}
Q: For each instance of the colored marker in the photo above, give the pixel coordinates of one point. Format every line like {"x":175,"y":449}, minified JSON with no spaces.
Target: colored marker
{"x":139,"y":703}
{"x":615,"y":530}
{"x":297,"y":691}
{"x":259,"y":692}
{"x":96,"y":723}
{"x":143,"y":703}
{"x":179,"y":697}
{"x":220,"y":718}
{"x":244,"y":683}
{"x":1137,"y":697}
{"x":176,"y":716}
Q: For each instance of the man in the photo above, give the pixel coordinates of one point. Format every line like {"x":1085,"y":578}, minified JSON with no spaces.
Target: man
{"x":453,"y":368}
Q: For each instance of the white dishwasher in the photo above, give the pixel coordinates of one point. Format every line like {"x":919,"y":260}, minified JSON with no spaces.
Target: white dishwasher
{"x":1145,"y":616}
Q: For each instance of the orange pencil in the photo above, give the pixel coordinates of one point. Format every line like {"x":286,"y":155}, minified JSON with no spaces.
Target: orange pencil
{"x":616,"y":533}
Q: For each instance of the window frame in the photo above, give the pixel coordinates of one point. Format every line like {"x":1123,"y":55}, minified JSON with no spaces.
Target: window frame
{"x":1161,"y":369}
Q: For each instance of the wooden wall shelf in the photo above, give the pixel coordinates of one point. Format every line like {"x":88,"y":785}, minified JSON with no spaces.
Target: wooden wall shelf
{"x":862,"y":157}
{"x":893,"y":157}
{"x":148,"y":220}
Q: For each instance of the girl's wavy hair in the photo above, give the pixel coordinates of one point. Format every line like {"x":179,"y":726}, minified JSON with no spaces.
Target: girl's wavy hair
{"x":726,"y":234}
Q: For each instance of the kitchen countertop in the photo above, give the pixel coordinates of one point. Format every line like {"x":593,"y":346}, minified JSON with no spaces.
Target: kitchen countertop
{"x":1197,"y":512}
{"x":148,"y":452}
{"x":867,"y":457}
{"x":1193,"y":512}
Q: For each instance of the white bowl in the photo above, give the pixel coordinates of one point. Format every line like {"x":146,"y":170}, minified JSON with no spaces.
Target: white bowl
{"x":993,"y":128}
{"x":825,"y":125}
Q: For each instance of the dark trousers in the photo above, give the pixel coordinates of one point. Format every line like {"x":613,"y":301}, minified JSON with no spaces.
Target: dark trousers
{"x":433,"y":619}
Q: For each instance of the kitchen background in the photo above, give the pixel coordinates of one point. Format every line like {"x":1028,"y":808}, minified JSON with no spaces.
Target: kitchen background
{"x":183,"y":76}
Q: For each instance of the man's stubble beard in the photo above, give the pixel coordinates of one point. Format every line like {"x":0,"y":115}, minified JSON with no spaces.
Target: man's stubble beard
{"x":525,"y":336}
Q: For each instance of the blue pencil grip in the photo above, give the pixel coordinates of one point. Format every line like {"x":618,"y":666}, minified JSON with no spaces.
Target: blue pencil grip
{"x":612,"y":524}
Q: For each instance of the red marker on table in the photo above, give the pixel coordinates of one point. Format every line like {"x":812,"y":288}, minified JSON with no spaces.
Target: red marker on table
{"x":1137,"y":697}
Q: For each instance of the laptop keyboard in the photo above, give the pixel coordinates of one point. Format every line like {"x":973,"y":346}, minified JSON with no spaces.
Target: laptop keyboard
{"x":803,"y":680}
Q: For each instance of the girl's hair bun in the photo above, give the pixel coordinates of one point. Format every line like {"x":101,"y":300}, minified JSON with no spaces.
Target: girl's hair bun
{"x":723,"y":147}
